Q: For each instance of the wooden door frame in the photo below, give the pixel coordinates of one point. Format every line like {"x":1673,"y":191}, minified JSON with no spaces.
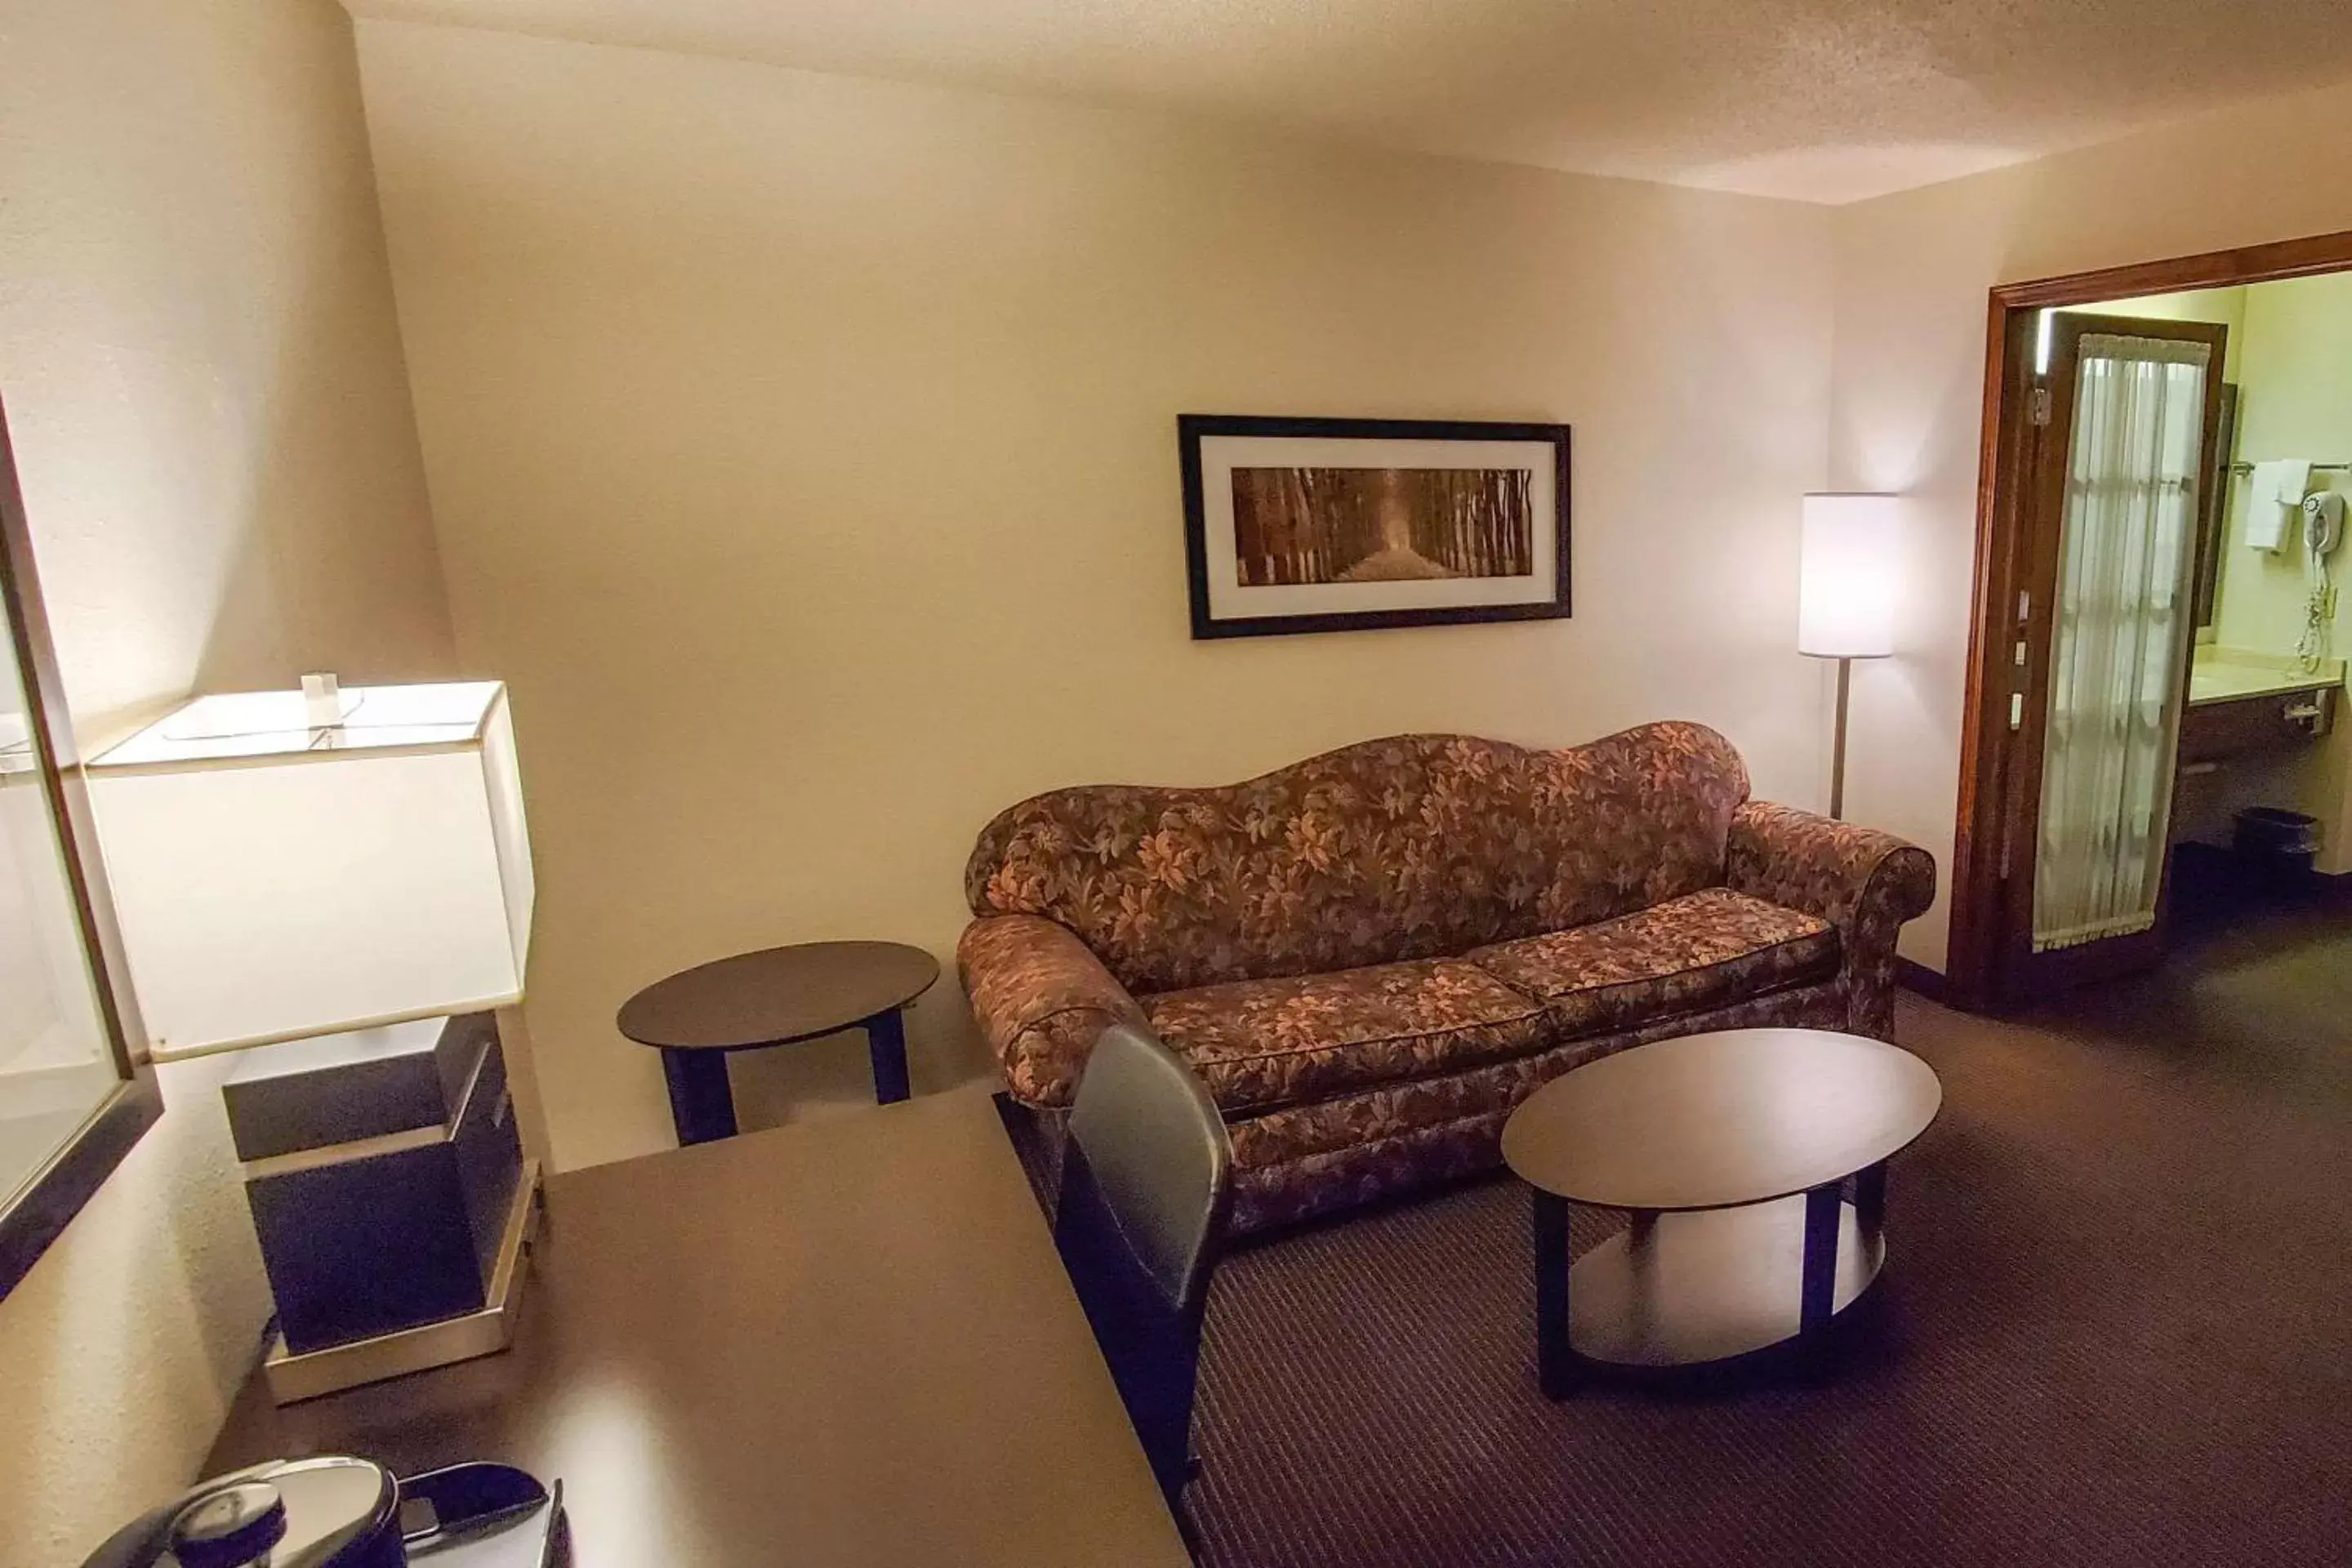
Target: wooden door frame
{"x":1986,"y":824}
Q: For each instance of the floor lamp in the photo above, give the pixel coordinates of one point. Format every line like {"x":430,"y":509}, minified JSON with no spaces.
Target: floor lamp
{"x":1845,"y":607}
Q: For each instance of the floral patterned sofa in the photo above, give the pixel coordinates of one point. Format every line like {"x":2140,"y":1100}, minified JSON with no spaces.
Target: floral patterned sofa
{"x":1372,"y":955}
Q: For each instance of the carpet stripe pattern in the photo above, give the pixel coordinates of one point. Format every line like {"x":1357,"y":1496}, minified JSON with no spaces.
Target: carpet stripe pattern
{"x":2114,"y":1329}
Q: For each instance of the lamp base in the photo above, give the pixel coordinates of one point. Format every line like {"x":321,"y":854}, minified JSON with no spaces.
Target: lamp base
{"x":293,"y":1376}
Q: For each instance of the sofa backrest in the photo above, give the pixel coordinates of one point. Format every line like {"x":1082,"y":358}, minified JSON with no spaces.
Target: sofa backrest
{"x":1414,"y":846}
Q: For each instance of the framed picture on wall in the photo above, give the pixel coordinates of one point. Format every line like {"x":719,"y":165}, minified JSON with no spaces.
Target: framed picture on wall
{"x":1327,"y":525}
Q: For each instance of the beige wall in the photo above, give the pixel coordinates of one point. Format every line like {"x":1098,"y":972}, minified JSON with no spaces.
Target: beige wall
{"x":203,"y":372}
{"x":1912,"y":275}
{"x":804,"y":452}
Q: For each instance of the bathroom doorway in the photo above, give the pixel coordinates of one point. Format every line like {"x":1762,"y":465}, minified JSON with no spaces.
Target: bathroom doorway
{"x":2154,"y":652}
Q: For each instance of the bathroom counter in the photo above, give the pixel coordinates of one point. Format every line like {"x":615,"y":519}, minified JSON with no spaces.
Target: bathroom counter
{"x":2255,"y":703}
{"x":2227,"y":680}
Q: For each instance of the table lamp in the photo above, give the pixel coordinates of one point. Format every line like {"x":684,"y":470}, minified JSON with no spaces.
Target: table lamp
{"x":285,"y":869}
{"x":1845,"y":603}
{"x":339,"y":883}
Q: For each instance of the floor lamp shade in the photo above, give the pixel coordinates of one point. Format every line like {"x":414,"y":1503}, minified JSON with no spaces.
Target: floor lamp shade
{"x":278,"y":877}
{"x":1846,"y":606}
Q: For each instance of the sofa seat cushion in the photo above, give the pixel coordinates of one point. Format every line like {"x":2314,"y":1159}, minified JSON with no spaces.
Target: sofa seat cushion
{"x":1259,"y":1043}
{"x":1698,"y":950}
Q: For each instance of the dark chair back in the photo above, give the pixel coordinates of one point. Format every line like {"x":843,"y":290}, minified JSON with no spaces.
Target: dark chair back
{"x":1147,"y":1182}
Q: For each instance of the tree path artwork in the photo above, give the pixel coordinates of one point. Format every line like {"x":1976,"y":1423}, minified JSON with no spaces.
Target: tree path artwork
{"x":1293,"y":526}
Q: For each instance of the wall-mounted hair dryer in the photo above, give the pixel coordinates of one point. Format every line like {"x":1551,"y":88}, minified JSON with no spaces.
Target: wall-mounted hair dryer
{"x":2322,"y":521}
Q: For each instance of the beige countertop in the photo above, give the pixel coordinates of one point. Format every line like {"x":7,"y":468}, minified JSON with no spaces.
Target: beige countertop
{"x":2222,"y":678}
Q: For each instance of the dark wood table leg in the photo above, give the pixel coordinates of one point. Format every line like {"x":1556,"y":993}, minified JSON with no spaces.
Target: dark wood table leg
{"x":1555,"y":1357}
{"x":701,"y":1106}
{"x":1870,"y":1201}
{"x":886,"y":1042}
{"x":1824,"y":1213}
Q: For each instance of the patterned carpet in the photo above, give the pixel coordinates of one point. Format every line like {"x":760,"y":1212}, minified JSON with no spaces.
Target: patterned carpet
{"x":2114,"y":1329}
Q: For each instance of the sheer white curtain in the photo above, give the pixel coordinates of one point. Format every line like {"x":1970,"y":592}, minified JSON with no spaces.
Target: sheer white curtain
{"x":2123,"y":583}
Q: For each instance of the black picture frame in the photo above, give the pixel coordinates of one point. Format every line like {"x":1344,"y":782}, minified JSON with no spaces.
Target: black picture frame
{"x":57,"y":1191}
{"x":1191,"y":428}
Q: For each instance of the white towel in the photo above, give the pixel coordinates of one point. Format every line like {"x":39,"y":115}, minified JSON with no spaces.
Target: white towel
{"x":2290,"y":480}
{"x":2277,"y":493}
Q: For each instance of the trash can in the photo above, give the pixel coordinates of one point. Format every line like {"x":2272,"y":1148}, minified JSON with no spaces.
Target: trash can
{"x":2278,"y":843}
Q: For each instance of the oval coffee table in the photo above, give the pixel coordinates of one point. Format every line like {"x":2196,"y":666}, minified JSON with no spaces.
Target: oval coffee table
{"x":1729,"y":1150}
{"x":775,"y":997}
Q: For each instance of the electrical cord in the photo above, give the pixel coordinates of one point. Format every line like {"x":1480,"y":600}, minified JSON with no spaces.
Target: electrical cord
{"x":2318,"y":618}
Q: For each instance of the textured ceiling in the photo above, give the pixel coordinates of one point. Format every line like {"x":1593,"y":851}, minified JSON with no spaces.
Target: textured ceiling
{"x":1820,"y":99}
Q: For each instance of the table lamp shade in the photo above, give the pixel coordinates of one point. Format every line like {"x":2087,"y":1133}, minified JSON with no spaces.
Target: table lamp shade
{"x":1846,"y":594}
{"x":276,"y":878}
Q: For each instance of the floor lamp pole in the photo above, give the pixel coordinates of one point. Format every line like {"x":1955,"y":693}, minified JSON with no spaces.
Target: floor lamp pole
{"x":1837,"y":757}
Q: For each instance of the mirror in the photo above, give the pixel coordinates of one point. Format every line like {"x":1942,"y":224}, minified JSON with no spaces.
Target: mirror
{"x":72,"y":1099}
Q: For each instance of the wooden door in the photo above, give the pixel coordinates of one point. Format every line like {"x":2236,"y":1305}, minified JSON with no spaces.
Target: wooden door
{"x":2049,"y":628}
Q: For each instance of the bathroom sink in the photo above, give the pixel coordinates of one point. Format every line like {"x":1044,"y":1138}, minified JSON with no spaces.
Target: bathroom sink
{"x":2213,"y":681}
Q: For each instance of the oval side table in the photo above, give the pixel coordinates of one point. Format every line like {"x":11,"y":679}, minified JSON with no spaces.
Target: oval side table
{"x":1731,"y":1151}
{"x":777,"y":996}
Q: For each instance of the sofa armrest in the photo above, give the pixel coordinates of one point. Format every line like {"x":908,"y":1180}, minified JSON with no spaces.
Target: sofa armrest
{"x":1042,"y":998}
{"x":1862,"y":881}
